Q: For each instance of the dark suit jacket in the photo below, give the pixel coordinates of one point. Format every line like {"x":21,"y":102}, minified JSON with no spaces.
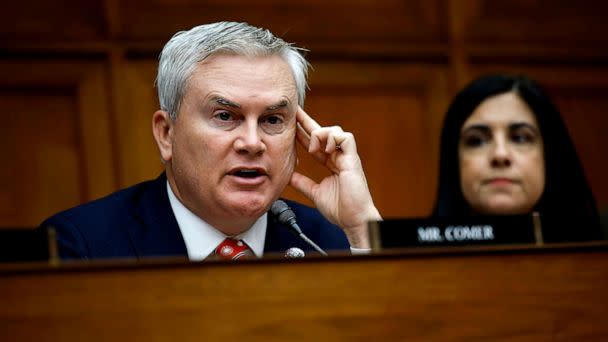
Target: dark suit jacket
{"x":138,"y":222}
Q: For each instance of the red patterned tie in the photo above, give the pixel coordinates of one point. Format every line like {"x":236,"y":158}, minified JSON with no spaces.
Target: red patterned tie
{"x":231,"y":249}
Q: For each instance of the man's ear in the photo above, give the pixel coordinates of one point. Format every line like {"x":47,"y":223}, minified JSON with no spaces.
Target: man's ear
{"x":162,"y":128}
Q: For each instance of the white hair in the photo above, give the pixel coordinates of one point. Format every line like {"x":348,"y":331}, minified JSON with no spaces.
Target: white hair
{"x":186,"y":49}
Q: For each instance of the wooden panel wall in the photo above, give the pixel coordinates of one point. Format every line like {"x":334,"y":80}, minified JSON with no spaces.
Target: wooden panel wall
{"x":78,"y":85}
{"x":56,"y":138}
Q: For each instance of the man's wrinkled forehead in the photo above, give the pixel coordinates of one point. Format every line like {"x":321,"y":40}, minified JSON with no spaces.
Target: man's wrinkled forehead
{"x":218,"y":71}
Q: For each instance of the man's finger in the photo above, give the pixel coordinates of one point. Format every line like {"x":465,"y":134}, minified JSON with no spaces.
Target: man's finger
{"x":339,"y":139}
{"x":308,"y":123}
{"x":303,"y":184}
{"x":305,"y":140}
{"x":302,"y":136}
{"x":334,"y":143}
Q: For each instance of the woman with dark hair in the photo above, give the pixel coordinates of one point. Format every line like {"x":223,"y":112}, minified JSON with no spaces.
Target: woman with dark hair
{"x":505,"y":150}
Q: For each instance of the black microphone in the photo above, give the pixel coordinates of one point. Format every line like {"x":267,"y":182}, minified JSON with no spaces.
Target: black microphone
{"x":285,"y":215}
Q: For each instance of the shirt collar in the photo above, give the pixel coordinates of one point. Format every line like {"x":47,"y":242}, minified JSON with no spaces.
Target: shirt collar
{"x":201,"y":238}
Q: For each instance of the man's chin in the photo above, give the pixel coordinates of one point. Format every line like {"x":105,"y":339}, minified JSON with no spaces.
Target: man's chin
{"x":249,"y":205}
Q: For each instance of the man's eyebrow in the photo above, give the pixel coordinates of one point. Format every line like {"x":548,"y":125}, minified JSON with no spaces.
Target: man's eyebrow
{"x":278,"y":105}
{"x":225,"y":102}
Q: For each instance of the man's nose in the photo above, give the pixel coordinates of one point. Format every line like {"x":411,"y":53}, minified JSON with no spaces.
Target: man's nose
{"x":249,"y":140}
{"x":501,"y":153}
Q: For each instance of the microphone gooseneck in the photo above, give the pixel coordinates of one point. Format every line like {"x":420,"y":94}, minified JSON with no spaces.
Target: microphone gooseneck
{"x":285,"y":215}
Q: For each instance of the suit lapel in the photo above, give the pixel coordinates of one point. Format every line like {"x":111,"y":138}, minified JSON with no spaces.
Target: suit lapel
{"x":158,"y":233}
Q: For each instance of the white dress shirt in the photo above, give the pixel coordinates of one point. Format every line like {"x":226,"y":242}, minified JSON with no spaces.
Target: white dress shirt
{"x":201,"y":238}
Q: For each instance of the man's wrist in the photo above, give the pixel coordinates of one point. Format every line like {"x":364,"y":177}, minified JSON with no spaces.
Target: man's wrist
{"x":358,"y":237}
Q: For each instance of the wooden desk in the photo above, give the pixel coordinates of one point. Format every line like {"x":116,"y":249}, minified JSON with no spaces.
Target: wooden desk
{"x":529,"y":294}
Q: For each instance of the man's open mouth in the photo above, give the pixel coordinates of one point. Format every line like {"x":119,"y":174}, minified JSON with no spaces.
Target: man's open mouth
{"x":248,"y":173}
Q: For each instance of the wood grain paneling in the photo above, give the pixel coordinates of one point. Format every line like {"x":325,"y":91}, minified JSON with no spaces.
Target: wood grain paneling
{"x":534,"y":296}
{"x":543,"y":22}
{"x":52,"y":20}
{"x":57,"y":139}
{"x":315,"y":24}
{"x":136,"y":100}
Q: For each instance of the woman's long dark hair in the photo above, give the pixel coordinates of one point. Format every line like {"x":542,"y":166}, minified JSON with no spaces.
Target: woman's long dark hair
{"x":567,"y":207}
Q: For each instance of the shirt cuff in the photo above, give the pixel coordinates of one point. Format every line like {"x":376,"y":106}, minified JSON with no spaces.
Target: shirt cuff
{"x":360,"y":251}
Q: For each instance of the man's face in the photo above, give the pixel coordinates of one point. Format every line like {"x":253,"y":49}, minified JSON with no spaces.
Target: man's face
{"x":233,"y":143}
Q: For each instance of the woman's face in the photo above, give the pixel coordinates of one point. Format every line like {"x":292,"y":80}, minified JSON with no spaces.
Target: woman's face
{"x":502,"y":167}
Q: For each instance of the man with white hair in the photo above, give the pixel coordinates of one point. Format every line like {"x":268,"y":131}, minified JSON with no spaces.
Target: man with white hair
{"x":231,"y":98}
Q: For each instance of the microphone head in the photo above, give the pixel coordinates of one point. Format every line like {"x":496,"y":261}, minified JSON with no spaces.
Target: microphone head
{"x":294,"y":252}
{"x":282,"y":212}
